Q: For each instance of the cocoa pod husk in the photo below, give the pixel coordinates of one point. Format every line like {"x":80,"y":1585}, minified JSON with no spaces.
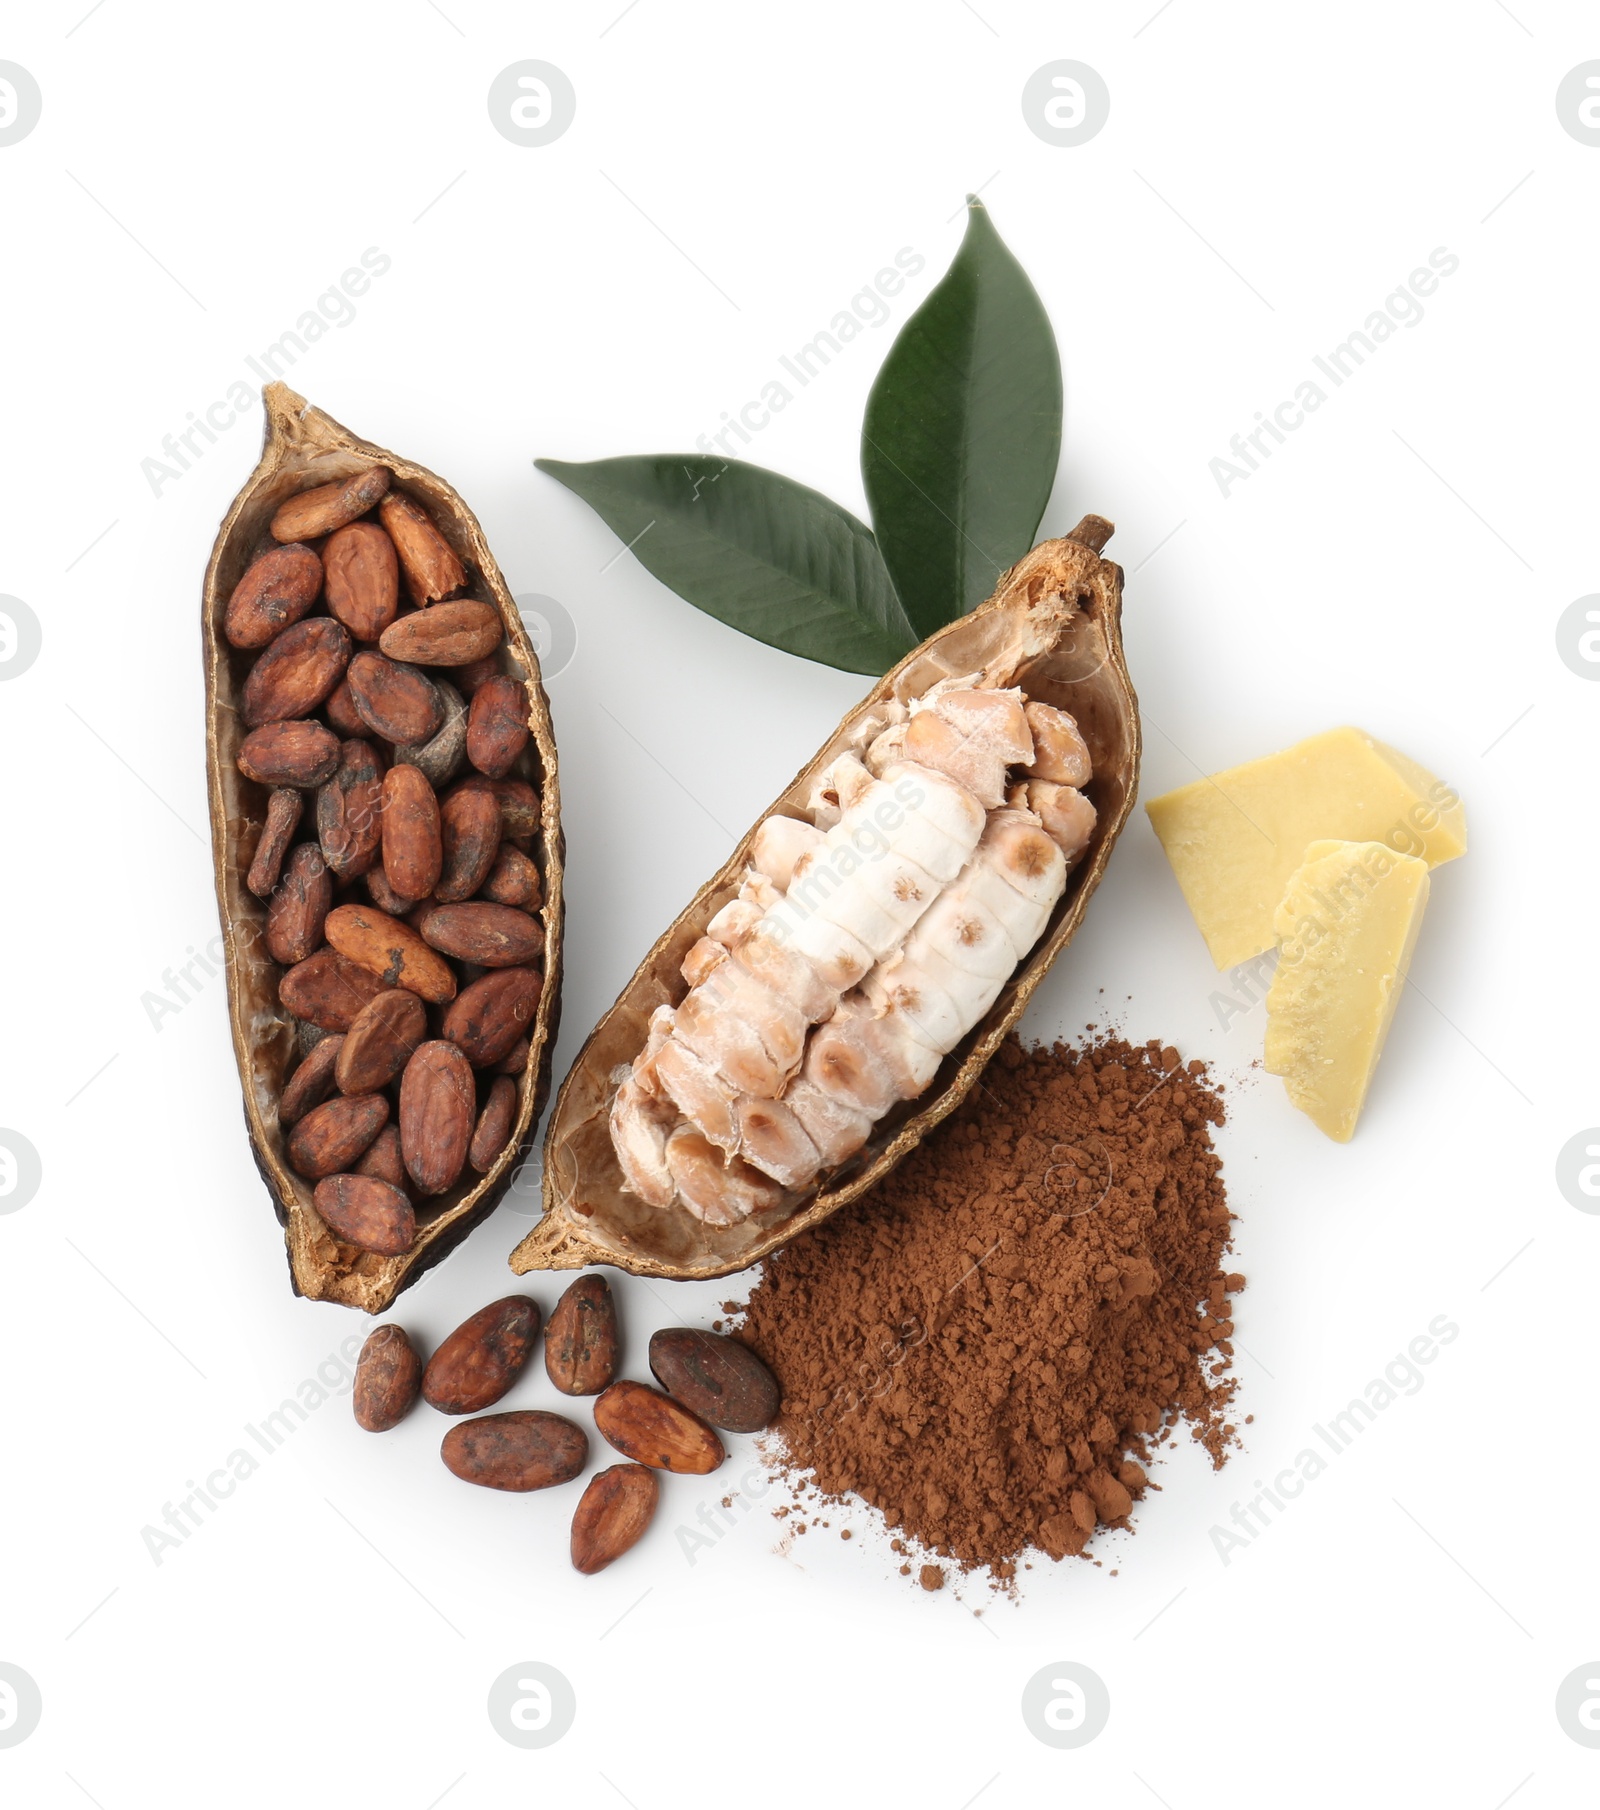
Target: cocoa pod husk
{"x":445,"y":634}
{"x":398,"y":702}
{"x":302,"y":755}
{"x":388,"y":1380}
{"x":488,"y":1016}
{"x":497,"y":726}
{"x":299,"y":906}
{"x":350,"y":811}
{"x":719,"y":1379}
{"x":493,"y":1129}
{"x":430,"y":565}
{"x":327,"y":507}
{"x":469,"y":828}
{"x":653,"y":1429}
{"x":413,"y":833}
{"x":284,"y":808}
{"x":381,"y":1041}
{"x":438,"y":1107}
{"x":366,"y":1212}
{"x":276,"y":591}
{"x":513,"y":880}
{"x":616,"y":1508}
{"x":492,"y":936}
{"x":527,"y":1449}
{"x":363,"y":579}
{"x":483,"y":1357}
{"x":311,"y":1082}
{"x":580,"y":1342}
{"x":393,"y":951}
{"x":332,"y":1137}
{"x":305,"y":450}
{"x":295,"y":673}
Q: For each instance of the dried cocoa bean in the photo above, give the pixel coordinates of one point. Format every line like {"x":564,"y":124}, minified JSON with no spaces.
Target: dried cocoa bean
{"x":494,"y":1125}
{"x":438,"y":1104}
{"x":580,"y":1343}
{"x":299,"y":907}
{"x":327,"y":991}
{"x":492,"y":936}
{"x":616,"y":1507}
{"x":483,"y":1357}
{"x":388,"y":1378}
{"x":653,"y":1429}
{"x":311,"y":1082}
{"x":275,"y":592}
{"x":283,"y":818}
{"x":384,"y":896}
{"x":469,"y":827}
{"x":302,"y":755}
{"x":489,"y":1015}
{"x":363,"y":579}
{"x":396,"y":701}
{"x":295,"y":673}
{"x":383,"y":1160}
{"x":473,"y":674}
{"x":366,"y":1212}
{"x":432,"y":569}
{"x":497,"y":725}
{"x":520,"y":815}
{"x":513,"y":880}
{"x":329,"y":506}
{"x":393,"y":951}
{"x":332,"y":1136}
{"x":438,"y":760}
{"x":516,"y":1059}
{"x":717,"y":1378}
{"x":381,"y":1041}
{"x":445,"y":634}
{"x":413,"y":837}
{"x":350,"y":811}
{"x":340,"y":710}
{"x":524,"y":1450}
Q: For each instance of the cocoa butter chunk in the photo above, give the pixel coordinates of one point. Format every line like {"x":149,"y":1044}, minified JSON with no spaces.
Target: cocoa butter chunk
{"x":524,"y":1450}
{"x":483,"y":1357}
{"x":721,"y":1380}
{"x":326,"y":507}
{"x":388,"y":1380}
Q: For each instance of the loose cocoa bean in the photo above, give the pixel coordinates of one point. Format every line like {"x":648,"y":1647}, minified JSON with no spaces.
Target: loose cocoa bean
{"x":413,"y":836}
{"x":381,"y":1041}
{"x":350,"y":811}
{"x":299,"y":907}
{"x":438,"y":1103}
{"x":483,"y":1357}
{"x":276,"y":591}
{"x":497,"y":725}
{"x":340,"y":710}
{"x":363,"y":579}
{"x":489,"y":1015}
{"x":438,"y":760}
{"x":580,"y":1343}
{"x":492,"y":936}
{"x":520,"y":816}
{"x":283,"y":818}
{"x":513,"y":880}
{"x":524,"y":1450}
{"x":516,"y":1060}
{"x":396,"y":701}
{"x":332,"y":1136}
{"x":329,"y":506}
{"x":445,"y":634}
{"x":302,"y":755}
{"x":393,"y":951}
{"x":383,"y":1160}
{"x":388,"y":1377}
{"x":432,"y":569}
{"x":494,"y":1125}
{"x":327,"y":991}
{"x":366,"y":1212}
{"x":311,"y":1082}
{"x":616,"y":1507}
{"x":653,"y":1429}
{"x":295,"y":673}
{"x":717,"y":1378}
{"x":469,"y":827}
{"x":473,"y":674}
{"x":384,"y":896}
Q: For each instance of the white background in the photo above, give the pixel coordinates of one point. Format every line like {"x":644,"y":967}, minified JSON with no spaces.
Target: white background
{"x":200,"y":175}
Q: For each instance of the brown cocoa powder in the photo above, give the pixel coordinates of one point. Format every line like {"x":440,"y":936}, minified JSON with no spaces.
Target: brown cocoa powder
{"x":988,"y":1346}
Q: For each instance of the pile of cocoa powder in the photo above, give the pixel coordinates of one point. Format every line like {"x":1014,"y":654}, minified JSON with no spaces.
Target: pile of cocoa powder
{"x":988,"y":1345}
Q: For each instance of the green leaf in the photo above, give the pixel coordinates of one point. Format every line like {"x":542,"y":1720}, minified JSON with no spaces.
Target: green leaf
{"x":963,"y":431}
{"x":755,"y":550}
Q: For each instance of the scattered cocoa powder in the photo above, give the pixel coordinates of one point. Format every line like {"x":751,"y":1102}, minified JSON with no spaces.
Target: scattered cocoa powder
{"x":988,"y":1345}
